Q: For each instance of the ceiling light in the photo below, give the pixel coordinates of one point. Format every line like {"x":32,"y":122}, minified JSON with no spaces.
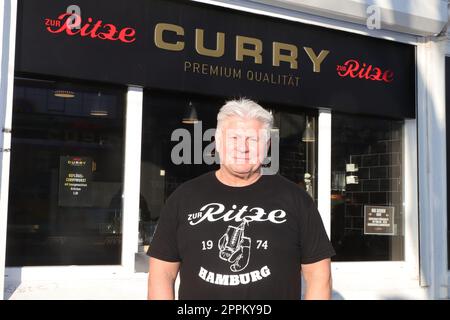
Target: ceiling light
{"x":308,"y":134}
{"x":190,"y":114}
{"x":64,"y":93}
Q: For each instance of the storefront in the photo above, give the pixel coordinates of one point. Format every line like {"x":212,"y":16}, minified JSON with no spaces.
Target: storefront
{"x":110,"y":108}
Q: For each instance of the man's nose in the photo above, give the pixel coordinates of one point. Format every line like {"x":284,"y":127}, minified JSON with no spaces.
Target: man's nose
{"x":242,"y":145}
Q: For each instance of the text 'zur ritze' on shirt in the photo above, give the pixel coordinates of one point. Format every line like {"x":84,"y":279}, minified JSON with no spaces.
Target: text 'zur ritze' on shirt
{"x":212,"y":212}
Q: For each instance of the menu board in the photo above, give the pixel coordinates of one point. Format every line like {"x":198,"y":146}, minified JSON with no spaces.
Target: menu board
{"x":75,"y":176}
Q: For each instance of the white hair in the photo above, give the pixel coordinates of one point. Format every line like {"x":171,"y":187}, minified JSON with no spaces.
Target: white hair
{"x":247,"y":109}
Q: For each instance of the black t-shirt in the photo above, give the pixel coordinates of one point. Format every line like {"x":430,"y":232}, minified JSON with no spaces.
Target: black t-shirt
{"x":240,"y":242}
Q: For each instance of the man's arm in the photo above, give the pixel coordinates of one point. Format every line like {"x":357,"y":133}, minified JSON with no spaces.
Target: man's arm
{"x":317,"y":276}
{"x":161,"y":279}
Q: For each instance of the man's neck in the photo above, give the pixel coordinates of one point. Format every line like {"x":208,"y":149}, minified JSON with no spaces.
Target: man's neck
{"x":233,"y":180}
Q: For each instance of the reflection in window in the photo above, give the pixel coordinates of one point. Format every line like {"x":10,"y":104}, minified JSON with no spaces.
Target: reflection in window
{"x":367,"y":214}
{"x":298,"y":148}
{"x":66,"y":175}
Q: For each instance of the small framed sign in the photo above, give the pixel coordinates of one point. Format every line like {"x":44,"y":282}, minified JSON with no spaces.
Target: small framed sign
{"x":379,"y":220}
{"x":75,"y":175}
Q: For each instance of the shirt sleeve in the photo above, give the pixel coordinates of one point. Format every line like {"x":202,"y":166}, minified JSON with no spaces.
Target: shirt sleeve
{"x":164,"y":244}
{"x":314,"y":242}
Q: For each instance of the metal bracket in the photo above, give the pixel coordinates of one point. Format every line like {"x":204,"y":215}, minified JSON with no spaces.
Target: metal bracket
{"x":5,"y":150}
{"x":6,"y":130}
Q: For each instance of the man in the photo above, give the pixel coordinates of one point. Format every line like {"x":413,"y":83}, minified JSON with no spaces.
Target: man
{"x":238,"y":234}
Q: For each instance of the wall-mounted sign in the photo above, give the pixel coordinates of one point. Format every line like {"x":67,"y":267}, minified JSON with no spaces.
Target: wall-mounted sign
{"x":75,"y":176}
{"x":379,"y":220}
{"x":198,"y":48}
{"x":94,"y":30}
{"x":354,"y":69}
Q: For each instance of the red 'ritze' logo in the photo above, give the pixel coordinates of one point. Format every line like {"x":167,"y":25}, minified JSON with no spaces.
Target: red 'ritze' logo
{"x":354,"y":69}
{"x":98,"y":30}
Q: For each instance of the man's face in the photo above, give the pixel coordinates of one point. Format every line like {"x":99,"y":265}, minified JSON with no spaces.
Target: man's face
{"x":242,"y":145}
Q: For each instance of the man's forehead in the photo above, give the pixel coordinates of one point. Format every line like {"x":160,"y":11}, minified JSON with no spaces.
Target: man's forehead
{"x":243,"y":131}
{"x":241,"y":122}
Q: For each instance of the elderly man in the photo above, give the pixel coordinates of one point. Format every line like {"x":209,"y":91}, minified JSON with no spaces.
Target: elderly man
{"x":235,"y":233}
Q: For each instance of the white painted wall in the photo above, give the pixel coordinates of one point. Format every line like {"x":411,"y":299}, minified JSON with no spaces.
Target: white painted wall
{"x":324,"y":169}
{"x":432,"y":165}
{"x":417,"y":17}
{"x":8,"y":13}
{"x":132,"y":177}
{"x":273,"y":9}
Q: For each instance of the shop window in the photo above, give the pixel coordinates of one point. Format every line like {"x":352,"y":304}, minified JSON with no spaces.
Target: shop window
{"x":367,"y":216}
{"x":66,"y":174}
{"x":165,"y":112}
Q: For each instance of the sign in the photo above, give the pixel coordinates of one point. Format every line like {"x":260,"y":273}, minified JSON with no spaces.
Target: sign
{"x":110,"y":32}
{"x":75,"y":176}
{"x":355,"y":69}
{"x":204,"y":49}
{"x":379,"y":220}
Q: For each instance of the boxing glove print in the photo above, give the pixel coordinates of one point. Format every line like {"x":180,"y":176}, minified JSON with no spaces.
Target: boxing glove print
{"x":229,"y":243}
{"x":234,"y":247}
{"x":243,"y":256}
